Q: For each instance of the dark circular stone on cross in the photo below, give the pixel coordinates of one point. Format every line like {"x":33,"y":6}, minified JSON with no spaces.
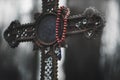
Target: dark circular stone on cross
{"x":46,"y":28}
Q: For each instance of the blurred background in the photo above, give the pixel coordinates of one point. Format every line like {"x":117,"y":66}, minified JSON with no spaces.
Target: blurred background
{"x":95,"y":59}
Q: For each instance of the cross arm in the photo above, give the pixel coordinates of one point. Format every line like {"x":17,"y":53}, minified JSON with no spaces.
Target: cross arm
{"x":17,"y":33}
{"x":90,"y":23}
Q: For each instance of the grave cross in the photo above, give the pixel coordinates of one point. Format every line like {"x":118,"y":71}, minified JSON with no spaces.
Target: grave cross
{"x":49,"y":31}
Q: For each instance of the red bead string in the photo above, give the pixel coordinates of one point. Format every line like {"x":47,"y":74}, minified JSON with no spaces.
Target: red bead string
{"x":59,"y":12}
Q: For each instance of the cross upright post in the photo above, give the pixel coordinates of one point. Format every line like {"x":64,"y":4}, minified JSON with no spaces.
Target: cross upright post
{"x":49,"y":31}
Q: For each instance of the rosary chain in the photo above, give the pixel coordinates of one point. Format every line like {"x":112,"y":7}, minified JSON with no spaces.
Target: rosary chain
{"x":59,"y":13}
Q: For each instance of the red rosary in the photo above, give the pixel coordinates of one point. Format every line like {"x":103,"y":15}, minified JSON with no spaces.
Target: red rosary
{"x":59,"y":12}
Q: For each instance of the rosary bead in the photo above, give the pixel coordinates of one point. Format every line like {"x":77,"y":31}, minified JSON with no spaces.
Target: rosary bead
{"x":59,"y":13}
{"x":57,"y":21}
{"x":57,"y":24}
{"x":58,"y":18}
{"x":65,"y":24}
{"x":65,"y":20}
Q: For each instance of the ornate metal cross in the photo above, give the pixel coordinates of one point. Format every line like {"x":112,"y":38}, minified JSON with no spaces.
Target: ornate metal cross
{"x":49,"y":31}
